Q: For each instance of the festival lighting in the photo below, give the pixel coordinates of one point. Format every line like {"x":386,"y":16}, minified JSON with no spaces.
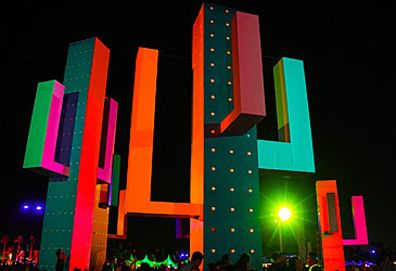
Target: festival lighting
{"x":284,"y":214}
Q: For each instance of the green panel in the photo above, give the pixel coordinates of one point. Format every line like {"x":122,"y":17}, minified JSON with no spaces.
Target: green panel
{"x":115,"y":181}
{"x":61,"y":196}
{"x":299,"y":155}
{"x":38,"y":125}
{"x":231,"y":166}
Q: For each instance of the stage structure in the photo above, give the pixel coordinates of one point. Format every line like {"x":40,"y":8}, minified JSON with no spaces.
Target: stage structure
{"x":71,"y":139}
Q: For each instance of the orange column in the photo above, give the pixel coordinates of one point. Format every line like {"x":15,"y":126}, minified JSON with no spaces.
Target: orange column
{"x":330,"y":225}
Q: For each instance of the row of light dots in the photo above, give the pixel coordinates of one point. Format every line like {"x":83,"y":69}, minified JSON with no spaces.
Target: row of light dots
{"x":226,"y":10}
{"x":213,"y":229}
{"x":230,"y":151}
{"x":232,"y":189}
{"x":231,"y":170}
{"x":232,"y":209}
{"x":232,"y":250}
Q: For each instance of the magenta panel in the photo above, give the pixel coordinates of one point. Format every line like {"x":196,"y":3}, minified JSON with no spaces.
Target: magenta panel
{"x":359,"y":221}
{"x":48,"y":160}
{"x":105,"y":173}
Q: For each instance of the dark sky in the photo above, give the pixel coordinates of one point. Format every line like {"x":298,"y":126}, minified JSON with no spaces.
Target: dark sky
{"x":349,"y":65}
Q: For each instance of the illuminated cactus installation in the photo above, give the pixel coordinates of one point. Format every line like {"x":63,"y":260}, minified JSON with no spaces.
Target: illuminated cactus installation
{"x":228,"y":102}
{"x":71,"y":139}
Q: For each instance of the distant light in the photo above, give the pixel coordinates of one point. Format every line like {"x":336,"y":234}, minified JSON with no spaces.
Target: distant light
{"x":25,"y":206}
{"x":38,"y":207}
{"x":284,"y":213}
{"x":373,"y":251}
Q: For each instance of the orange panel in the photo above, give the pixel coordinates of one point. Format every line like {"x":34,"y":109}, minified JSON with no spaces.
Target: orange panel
{"x":197,"y":145}
{"x":137,"y":194}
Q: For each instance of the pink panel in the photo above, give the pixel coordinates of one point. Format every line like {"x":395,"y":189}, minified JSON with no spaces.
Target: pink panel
{"x":52,"y":132}
{"x":251,"y":80}
{"x":248,"y":82}
{"x":359,"y":220}
{"x":104,"y":174}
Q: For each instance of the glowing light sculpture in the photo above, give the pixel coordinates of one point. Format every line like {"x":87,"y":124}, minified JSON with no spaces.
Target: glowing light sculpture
{"x":330,"y":225}
{"x":64,"y":142}
{"x":294,"y":151}
{"x":359,"y":223}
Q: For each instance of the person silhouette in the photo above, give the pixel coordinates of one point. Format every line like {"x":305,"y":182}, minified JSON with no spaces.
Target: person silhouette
{"x":193,"y":265}
{"x":60,"y":259}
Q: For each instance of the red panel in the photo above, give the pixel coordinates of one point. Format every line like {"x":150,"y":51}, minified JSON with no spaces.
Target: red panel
{"x":86,"y":187}
{"x":248,"y":82}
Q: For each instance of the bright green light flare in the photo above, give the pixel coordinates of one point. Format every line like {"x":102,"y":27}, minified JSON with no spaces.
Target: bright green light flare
{"x":284,"y":213}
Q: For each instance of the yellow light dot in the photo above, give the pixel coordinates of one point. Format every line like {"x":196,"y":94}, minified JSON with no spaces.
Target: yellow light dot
{"x":232,"y":229}
{"x":248,"y":153}
{"x":213,"y":96}
{"x":232,"y":209}
{"x":231,"y":170}
{"x":249,"y":171}
{"x":212,"y":168}
{"x":232,"y":189}
{"x":231,"y":151}
{"x":213,"y":149}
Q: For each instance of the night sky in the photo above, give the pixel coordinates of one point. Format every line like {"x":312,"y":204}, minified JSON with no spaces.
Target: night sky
{"x":347,"y":55}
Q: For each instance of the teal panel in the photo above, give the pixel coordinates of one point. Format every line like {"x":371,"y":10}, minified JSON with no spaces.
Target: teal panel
{"x":298,"y":154}
{"x":61,"y":195}
{"x":231,"y":166}
{"x":218,"y":52}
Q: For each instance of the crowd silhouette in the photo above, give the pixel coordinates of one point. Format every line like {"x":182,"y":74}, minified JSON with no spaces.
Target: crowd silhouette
{"x":18,"y":254}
